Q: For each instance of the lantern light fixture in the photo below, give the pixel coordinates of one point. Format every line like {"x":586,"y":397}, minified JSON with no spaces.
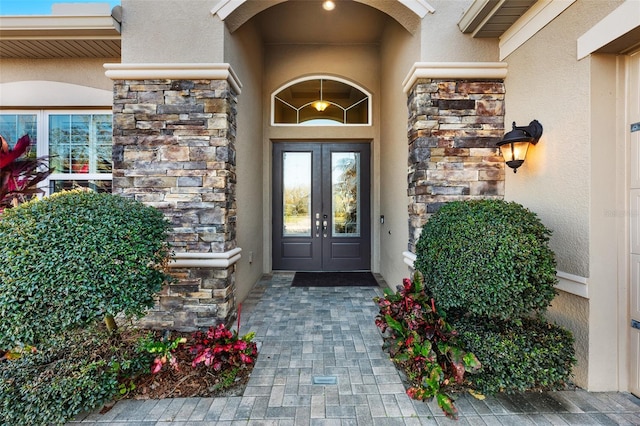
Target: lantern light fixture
{"x":514,"y":144}
{"x":320,"y":105}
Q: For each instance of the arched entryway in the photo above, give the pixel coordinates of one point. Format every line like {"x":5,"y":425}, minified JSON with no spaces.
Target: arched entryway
{"x":406,"y":12}
{"x":193,"y":133}
{"x":369,"y":47}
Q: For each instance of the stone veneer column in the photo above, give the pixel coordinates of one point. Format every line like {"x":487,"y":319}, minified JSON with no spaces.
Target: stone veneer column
{"x":174,"y":131}
{"x":456,"y":116}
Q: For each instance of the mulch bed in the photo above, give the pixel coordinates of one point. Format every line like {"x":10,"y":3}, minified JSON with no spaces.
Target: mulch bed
{"x":188,"y":381}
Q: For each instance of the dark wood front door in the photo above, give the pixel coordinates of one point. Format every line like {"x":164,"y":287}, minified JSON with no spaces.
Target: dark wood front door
{"x":321,"y":206}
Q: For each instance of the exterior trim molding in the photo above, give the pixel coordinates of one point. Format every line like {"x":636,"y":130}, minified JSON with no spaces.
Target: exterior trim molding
{"x":616,"y":24}
{"x":224,"y":8}
{"x":419,"y":7}
{"x":534,"y":19}
{"x":180,"y":71}
{"x":47,"y":94}
{"x":568,"y":283}
{"x":573,"y":284}
{"x":205,"y":260}
{"x":409,"y":258}
{"x":479,"y":70}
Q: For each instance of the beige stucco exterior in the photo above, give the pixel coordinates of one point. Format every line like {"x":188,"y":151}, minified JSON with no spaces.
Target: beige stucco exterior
{"x":54,"y":83}
{"x":245,"y":52}
{"x":570,"y":180}
{"x":83,"y":71}
{"x":574,"y":178}
{"x":161,"y":31}
{"x":397,"y":55}
{"x":443,"y":42}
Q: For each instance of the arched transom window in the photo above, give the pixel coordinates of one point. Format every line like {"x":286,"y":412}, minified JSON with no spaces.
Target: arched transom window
{"x":321,"y":101}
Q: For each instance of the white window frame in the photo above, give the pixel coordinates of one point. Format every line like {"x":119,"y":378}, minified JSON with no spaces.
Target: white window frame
{"x":42,"y":145}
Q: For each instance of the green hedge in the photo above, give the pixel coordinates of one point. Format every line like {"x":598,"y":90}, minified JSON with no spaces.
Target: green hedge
{"x":488,"y":264}
{"x":73,"y":258}
{"x":73,"y":373}
{"x":514,"y":358}
{"x":487,"y":257}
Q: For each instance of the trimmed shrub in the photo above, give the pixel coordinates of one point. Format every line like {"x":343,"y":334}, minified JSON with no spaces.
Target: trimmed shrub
{"x":74,"y":373}
{"x":487,"y":257}
{"x":75,"y":257}
{"x":488,"y":264}
{"x":535,"y":355}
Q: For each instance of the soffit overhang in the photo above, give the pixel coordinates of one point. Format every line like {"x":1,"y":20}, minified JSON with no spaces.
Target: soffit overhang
{"x":491,"y":18}
{"x":48,"y":36}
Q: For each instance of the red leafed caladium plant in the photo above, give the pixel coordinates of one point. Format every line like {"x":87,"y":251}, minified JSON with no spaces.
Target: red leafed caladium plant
{"x":423,"y":344}
{"x":221,"y":348}
{"x":19,"y":176}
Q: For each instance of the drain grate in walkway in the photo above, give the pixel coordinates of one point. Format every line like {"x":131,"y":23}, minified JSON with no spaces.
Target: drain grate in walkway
{"x":325,"y":380}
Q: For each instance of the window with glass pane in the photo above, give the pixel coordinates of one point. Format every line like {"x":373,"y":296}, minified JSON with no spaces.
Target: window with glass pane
{"x":321,"y":102}
{"x":345,"y":188}
{"x":79,"y":146}
{"x":296,"y":198}
{"x":14,"y":126}
{"x":80,"y":143}
{"x":67,"y":185}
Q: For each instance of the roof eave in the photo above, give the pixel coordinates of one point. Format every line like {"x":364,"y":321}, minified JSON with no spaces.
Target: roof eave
{"x":57,"y":27}
{"x":492,"y":18}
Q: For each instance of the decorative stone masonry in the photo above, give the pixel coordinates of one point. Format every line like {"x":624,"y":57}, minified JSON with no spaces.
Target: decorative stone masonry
{"x":174,"y":149}
{"x":454,"y":125}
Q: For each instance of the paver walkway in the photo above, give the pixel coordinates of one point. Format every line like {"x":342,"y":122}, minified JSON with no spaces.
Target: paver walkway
{"x":320,"y":334}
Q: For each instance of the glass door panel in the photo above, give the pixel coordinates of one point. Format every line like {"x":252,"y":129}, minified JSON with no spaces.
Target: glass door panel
{"x":296,"y":189}
{"x":345,"y":196}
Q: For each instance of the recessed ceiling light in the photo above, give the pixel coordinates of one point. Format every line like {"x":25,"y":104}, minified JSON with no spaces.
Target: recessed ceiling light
{"x":328,"y":5}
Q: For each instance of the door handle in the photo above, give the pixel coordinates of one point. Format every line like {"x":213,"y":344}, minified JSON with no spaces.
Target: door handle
{"x":324,"y":228}
{"x":317,"y":225}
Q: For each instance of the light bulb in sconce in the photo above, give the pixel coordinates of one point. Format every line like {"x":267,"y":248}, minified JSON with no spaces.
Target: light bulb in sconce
{"x":328,"y":5}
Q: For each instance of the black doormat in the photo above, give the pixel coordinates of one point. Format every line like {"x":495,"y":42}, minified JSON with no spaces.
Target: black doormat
{"x":334,"y":279}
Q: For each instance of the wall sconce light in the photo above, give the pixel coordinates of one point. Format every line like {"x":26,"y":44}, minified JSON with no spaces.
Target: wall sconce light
{"x":514,"y":144}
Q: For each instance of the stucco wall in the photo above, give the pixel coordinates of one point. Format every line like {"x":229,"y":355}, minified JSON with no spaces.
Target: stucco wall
{"x":171,"y":31}
{"x":86,"y":72}
{"x":243,"y":50}
{"x":442,"y":40}
{"x":284,"y":63}
{"x":560,"y":183}
{"x":398,"y":53}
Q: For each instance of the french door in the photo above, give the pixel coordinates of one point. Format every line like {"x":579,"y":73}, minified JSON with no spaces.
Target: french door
{"x":321,"y":206}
